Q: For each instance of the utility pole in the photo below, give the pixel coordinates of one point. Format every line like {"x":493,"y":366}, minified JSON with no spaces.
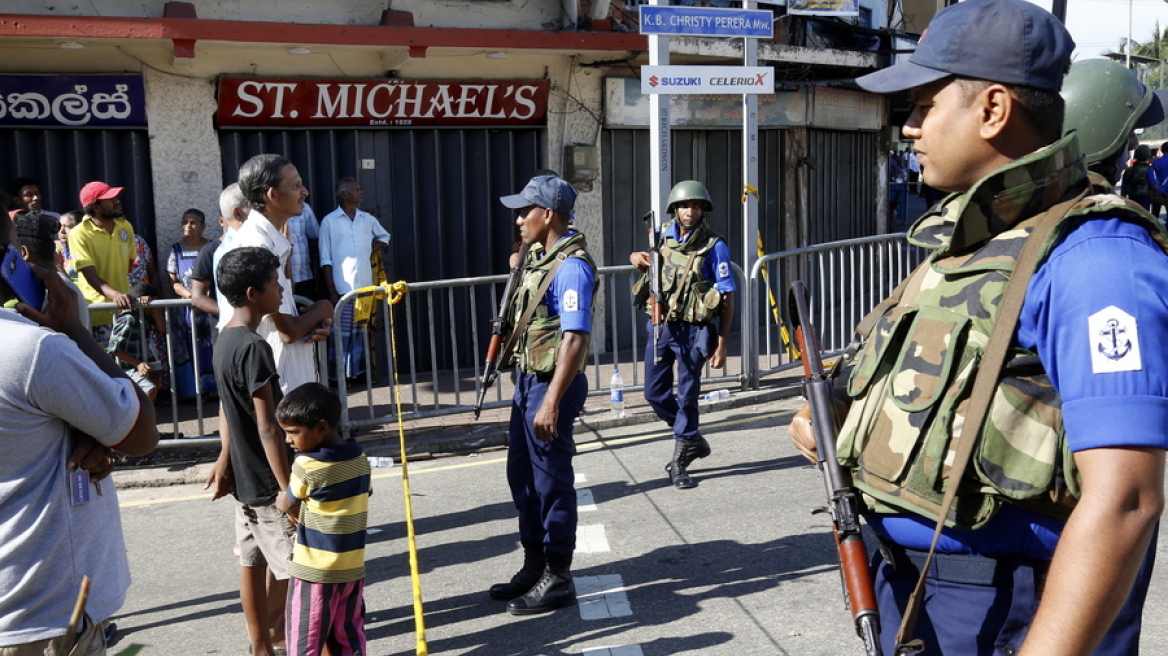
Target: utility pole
{"x":1059,"y":9}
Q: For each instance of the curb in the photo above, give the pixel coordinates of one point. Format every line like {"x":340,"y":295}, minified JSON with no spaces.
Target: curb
{"x":428,"y":445}
{"x":182,"y":461}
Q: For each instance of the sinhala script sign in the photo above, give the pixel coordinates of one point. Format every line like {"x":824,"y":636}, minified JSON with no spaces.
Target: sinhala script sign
{"x":72,"y":101}
{"x":707,"y":79}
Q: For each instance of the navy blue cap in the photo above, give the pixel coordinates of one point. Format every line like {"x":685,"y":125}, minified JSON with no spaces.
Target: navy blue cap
{"x":1156,"y":111}
{"x":1006,"y":41}
{"x":544,"y":191}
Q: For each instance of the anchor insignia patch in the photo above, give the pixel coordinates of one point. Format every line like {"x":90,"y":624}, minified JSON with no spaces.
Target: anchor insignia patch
{"x":1114,"y":339}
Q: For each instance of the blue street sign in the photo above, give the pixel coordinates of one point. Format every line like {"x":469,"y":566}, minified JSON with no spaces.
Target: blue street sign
{"x":706,"y":21}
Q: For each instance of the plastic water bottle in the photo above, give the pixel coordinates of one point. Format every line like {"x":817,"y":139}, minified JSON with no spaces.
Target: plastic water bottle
{"x":617,"y":386}
{"x":717,"y":395}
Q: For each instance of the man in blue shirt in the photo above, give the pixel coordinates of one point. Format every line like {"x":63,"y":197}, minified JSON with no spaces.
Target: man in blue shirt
{"x":697,"y":284}
{"x":302,"y":228}
{"x":1044,"y":569}
{"x":551,"y":319}
{"x":1160,"y":171}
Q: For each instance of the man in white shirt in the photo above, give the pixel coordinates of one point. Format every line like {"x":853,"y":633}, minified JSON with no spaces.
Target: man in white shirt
{"x":273,"y":188}
{"x":348,"y":237}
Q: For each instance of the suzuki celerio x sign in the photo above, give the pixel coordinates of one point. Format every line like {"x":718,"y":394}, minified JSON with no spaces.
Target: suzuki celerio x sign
{"x":707,"y":79}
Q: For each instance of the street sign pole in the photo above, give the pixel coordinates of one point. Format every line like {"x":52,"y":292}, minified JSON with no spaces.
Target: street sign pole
{"x":750,"y":199}
{"x":660,"y":140}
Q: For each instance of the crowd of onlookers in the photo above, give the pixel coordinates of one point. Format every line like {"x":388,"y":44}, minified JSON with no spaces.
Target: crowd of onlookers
{"x":266,"y":379}
{"x":1145,"y":180}
{"x":97,"y":251}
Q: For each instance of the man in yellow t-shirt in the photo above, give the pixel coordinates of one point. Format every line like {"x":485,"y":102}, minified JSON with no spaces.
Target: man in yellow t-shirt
{"x":103,"y":249}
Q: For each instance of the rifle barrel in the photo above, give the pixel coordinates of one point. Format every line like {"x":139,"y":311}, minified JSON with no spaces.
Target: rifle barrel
{"x":842,"y":497}
{"x":498,"y":328}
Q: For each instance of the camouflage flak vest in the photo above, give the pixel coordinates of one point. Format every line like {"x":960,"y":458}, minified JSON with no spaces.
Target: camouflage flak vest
{"x":538,"y":348}
{"x":688,"y":296}
{"x":912,"y":381}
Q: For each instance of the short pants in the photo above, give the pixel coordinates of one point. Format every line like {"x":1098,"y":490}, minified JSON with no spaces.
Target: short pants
{"x":90,"y":642}
{"x":265,"y":537}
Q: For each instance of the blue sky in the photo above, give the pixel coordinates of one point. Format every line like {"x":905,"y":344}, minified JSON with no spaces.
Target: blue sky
{"x":1098,"y":25}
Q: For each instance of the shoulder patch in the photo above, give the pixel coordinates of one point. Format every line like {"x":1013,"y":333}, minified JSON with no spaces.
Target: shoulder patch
{"x":571,"y":301}
{"x":1115,"y":341}
{"x":723,"y":270}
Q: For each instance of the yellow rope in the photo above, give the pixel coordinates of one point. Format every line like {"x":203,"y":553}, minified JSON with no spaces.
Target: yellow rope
{"x":394,"y":293}
{"x":749,"y":190}
{"x":788,"y":344}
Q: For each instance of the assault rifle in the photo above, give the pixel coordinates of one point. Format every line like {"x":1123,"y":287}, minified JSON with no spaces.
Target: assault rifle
{"x":859,"y":594}
{"x":655,"y":297}
{"x":499,"y":332}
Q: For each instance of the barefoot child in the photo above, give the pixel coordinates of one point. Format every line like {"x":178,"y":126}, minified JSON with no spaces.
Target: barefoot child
{"x":329,"y":498}
{"x":249,"y":391}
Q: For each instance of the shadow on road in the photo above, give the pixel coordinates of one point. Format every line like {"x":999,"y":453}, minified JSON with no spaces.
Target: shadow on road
{"x":664,"y":586}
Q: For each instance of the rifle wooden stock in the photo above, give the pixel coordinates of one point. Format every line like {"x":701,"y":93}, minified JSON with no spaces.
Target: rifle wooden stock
{"x":499,"y":329}
{"x":842,"y":500}
{"x":655,"y":293}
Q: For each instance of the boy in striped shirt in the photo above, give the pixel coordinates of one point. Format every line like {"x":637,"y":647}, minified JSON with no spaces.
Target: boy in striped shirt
{"x":328,"y":495}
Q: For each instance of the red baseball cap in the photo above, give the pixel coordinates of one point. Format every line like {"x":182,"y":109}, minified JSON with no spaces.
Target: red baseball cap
{"x":97,"y":190}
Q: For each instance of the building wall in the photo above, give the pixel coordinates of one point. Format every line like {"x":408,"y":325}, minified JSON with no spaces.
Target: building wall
{"x":181,"y":103}
{"x":509,"y":14}
{"x":184,"y":152}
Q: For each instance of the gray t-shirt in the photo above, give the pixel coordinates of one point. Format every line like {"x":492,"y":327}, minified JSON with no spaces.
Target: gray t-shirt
{"x":46,"y":542}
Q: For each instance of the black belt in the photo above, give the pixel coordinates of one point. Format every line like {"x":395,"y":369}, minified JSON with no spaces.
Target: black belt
{"x":967,"y":569}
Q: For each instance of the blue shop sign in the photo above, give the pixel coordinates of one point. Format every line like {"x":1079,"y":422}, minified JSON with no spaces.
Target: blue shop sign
{"x":69,"y":101}
{"x":706,"y":21}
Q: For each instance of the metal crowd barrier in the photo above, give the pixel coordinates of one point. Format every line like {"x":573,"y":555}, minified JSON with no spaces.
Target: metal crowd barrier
{"x":169,"y":307}
{"x":846,"y":279}
{"x":433,"y":367}
{"x":442,"y":331}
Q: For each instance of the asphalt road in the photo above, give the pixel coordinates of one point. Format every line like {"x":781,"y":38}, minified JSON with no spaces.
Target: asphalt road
{"x":737,"y":566}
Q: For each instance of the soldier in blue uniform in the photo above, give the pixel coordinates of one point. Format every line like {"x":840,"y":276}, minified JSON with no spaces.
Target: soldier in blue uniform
{"x":1020,"y":568}
{"x":698,"y":286}
{"x":552,"y":318}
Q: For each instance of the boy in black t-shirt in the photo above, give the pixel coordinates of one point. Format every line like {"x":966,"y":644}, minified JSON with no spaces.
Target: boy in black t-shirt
{"x":249,"y":391}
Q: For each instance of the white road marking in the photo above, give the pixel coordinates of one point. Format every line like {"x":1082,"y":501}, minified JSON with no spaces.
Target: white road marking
{"x":591,"y":539}
{"x":581,"y":479}
{"x":584,"y":500}
{"x":623,"y":650}
{"x":602,"y":597}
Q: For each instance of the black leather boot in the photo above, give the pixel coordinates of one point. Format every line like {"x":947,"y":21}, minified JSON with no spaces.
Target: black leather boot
{"x":677,"y":473}
{"x":533,"y":566}
{"x":553,"y":590}
{"x":696,"y":448}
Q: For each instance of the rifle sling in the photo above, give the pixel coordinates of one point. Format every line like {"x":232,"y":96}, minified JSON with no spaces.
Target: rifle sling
{"x":521,"y":325}
{"x":985,"y":383}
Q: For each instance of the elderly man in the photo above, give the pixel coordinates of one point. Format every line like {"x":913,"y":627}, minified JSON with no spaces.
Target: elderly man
{"x":271,"y":185}
{"x":348,"y":238}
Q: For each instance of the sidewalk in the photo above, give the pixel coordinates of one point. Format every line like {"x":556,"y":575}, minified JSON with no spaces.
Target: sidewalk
{"x":183,"y":461}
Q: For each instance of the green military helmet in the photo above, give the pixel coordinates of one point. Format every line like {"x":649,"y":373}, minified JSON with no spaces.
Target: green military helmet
{"x":690,"y":190}
{"x":1104,"y":102}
